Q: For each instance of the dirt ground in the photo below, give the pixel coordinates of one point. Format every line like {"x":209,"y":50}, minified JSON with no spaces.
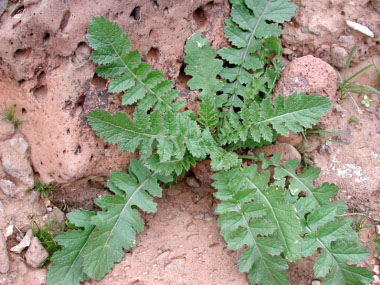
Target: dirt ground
{"x":181,"y":244}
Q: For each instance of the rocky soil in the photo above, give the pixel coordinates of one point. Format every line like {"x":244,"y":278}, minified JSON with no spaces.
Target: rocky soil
{"x":47,"y":75}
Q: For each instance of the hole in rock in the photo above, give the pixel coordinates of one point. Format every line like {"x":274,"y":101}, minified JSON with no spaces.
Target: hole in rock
{"x":18,"y":10}
{"x":65,"y":20}
{"x":136,"y":13}
{"x":153,"y":55}
{"x":68,"y":131}
{"x":22,"y":54}
{"x":46,"y":37}
{"x":41,"y":78}
{"x":23,"y":111}
{"x":40,"y":92}
{"x":78,"y":108}
{"x":98,"y":82}
{"x":81,"y":54}
{"x":91,"y":157}
{"x":155,"y":4}
{"x":78,"y":150}
{"x":200,"y":16}
{"x":21,"y":82}
{"x":105,"y":147}
{"x":182,"y":78}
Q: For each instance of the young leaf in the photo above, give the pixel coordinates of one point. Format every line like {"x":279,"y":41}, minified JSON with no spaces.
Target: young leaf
{"x":223,"y":160}
{"x":130,"y":75}
{"x":119,"y":220}
{"x":173,"y":133}
{"x":204,"y":68}
{"x":66,"y":264}
{"x":250,"y":23}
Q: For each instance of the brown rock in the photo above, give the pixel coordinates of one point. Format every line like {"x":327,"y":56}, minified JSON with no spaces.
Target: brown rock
{"x":6,"y":130}
{"x":293,"y":139}
{"x":202,"y":171}
{"x":310,"y":75}
{"x":286,"y":150}
{"x":36,"y":253}
{"x":47,"y":72}
{"x":4,"y":259}
{"x":192,"y":182}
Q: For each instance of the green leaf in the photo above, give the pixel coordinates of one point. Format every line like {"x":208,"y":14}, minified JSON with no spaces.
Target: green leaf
{"x":249,"y":24}
{"x":119,"y":221}
{"x":129,"y":75}
{"x":66,"y":264}
{"x":174,"y":133}
{"x":202,"y":66}
{"x":223,"y":160}
{"x":243,"y":222}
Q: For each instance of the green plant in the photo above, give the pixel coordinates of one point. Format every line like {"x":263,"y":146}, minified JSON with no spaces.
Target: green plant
{"x":45,"y":190}
{"x":8,"y":114}
{"x":376,"y":243}
{"x":47,"y":233}
{"x":276,"y":222}
{"x":346,"y":86}
{"x":353,"y":120}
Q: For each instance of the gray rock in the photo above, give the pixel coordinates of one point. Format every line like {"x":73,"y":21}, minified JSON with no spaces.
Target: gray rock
{"x":316,"y":282}
{"x":6,"y":128}
{"x":4,"y":259}
{"x":8,"y":187}
{"x":15,"y":160}
{"x":36,"y":253}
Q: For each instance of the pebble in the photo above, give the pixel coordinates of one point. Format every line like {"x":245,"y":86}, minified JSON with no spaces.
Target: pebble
{"x":24,"y":243}
{"x":316,"y":282}
{"x":4,"y":259}
{"x":339,"y":56}
{"x":36,"y":253}
{"x":378,"y":229}
{"x":192,"y":182}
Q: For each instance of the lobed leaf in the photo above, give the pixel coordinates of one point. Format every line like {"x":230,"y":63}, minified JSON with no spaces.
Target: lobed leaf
{"x":66,"y":264}
{"x":129,"y":75}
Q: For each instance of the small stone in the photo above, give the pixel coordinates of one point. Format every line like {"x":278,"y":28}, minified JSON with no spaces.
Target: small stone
{"x":4,"y":259}
{"x":192,"y":182}
{"x":24,"y":243}
{"x":8,"y":187}
{"x":7,"y":129}
{"x":376,"y":269}
{"x":378,"y":229}
{"x":19,"y":144}
{"x":202,"y":171}
{"x":339,"y":56}
{"x":316,"y":282}
{"x":36,"y":253}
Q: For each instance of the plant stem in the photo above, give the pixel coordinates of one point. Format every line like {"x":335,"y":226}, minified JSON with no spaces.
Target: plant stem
{"x":360,"y":214}
{"x":251,"y":157}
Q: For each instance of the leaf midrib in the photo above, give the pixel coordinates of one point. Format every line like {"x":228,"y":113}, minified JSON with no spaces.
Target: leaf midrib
{"x":131,"y":72}
{"x":247,"y":48}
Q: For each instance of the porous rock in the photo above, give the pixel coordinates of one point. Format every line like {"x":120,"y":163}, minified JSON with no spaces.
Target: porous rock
{"x":48,"y":75}
{"x":6,"y":130}
{"x":36,"y":253}
{"x":4,"y":259}
{"x":310,"y":75}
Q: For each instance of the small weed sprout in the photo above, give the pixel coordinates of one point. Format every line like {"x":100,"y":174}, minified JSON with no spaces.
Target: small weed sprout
{"x":46,"y":235}
{"x":8,"y":114}
{"x":45,"y":190}
{"x":347,"y":87}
